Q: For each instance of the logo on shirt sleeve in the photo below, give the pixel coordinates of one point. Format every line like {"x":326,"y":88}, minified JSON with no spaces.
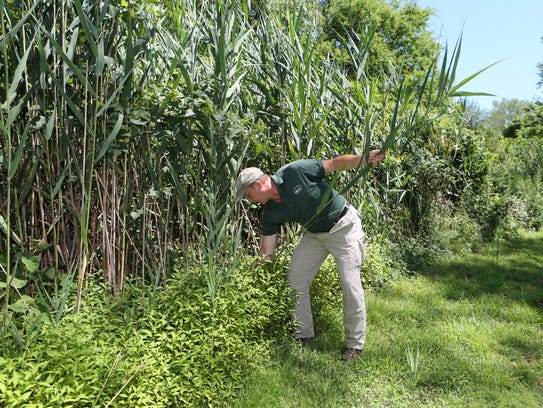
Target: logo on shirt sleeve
{"x":297,"y":190}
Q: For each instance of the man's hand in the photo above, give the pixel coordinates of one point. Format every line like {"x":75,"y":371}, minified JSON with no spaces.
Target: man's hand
{"x":267,"y":248}
{"x":376,"y":156}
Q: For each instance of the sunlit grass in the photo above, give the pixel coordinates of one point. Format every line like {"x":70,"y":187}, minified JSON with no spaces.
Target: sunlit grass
{"x":476,"y":323}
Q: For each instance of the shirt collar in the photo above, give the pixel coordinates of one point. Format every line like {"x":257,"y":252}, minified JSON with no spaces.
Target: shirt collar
{"x":278,"y":180}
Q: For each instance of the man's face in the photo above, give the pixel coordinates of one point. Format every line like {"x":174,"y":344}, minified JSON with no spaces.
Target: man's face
{"x":254,"y":193}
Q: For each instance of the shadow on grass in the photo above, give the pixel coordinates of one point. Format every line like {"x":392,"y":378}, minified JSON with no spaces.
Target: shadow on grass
{"x":512,"y":269}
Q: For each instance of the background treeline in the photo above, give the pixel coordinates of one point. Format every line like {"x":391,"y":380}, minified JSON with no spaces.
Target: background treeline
{"x":124,"y":125}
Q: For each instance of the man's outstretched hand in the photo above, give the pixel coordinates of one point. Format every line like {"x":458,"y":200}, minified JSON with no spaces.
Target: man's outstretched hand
{"x":376,"y":156}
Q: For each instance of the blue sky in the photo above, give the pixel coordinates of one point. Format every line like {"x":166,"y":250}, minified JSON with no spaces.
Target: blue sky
{"x":493,"y":30}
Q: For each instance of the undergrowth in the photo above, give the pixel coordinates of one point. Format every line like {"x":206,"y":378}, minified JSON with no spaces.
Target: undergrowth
{"x":177,"y":349}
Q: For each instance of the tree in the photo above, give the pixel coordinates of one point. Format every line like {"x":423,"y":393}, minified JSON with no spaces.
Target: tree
{"x":400,"y":36}
{"x":504,"y":113}
{"x":540,"y":68}
{"x":527,"y":125}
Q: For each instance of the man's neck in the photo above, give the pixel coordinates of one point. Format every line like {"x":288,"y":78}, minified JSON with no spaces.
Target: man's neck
{"x":275,"y":196}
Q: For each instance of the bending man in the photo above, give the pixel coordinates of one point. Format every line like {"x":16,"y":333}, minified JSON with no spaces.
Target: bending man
{"x":298,"y":193}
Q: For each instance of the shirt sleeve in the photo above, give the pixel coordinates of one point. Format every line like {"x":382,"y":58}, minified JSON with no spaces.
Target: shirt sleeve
{"x":313,"y":169}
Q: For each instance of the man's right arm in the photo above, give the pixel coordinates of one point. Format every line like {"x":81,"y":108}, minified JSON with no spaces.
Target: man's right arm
{"x":350,"y":161}
{"x":267,"y":246}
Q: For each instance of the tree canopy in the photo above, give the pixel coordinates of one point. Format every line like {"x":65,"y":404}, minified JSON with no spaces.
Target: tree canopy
{"x":401,"y":38}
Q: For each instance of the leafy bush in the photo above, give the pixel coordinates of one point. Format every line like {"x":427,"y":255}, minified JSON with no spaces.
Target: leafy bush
{"x":513,"y":200}
{"x":184,"y":351}
{"x":453,"y":228}
{"x":380,"y":265}
{"x":429,"y":245}
{"x":209,"y":346}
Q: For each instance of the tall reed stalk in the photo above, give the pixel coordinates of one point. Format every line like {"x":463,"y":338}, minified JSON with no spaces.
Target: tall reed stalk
{"x":5,"y":127}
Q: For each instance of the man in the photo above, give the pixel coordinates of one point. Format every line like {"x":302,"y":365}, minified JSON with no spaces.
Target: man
{"x":298,"y":193}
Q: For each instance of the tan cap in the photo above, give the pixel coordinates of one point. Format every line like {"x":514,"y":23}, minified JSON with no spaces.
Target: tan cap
{"x":247,"y":177}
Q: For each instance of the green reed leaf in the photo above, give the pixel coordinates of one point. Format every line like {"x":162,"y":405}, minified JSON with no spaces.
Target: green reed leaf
{"x":73,"y":43}
{"x":455,"y":90}
{"x":15,"y":29}
{"x":90,"y":30}
{"x":50,"y":126}
{"x":3,"y":224}
{"x":14,"y":162}
{"x":110,"y":138}
{"x":15,"y":110}
{"x":100,"y":58}
{"x":73,"y":107}
{"x":21,"y":68}
{"x":68,"y":61}
{"x":59,"y":182}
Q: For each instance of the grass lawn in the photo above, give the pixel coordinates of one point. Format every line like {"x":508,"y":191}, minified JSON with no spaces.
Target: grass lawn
{"x":467,"y":332}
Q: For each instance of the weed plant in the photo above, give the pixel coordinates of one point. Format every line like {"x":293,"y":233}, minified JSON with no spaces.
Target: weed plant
{"x":177,"y":349}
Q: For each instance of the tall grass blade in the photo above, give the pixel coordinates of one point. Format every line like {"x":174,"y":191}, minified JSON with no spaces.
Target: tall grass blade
{"x":110,"y":139}
{"x":20,"y":23}
{"x":18,"y":74}
{"x":74,"y":108}
{"x":454,"y":91}
{"x":90,"y":30}
{"x":14,"y":162}
{"x":73,"y":43}
{"x":100,"y":59}
{"x":413,"y":361}
{"x":75,"y":69}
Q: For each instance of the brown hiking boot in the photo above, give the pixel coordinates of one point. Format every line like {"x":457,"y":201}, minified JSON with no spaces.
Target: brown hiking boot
{"x":350,"y":354}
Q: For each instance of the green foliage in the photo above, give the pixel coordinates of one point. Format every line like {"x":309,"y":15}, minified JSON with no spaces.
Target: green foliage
{"x":513,"y":200}
{"x":528,"y":124}
{"x":503,"y":114}
{"x":380,"y":266}
{"x":200,"y":339}
{"x":399,"y":33}
{"x":413,"y":361}
{"x":440,"y":168}
{"x":125,"y":127}
{"x":540,"y":73}
{"x":114,"y":352}
{"x":130,"y":140}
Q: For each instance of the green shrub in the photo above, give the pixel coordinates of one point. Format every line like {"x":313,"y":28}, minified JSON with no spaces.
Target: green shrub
{"x":453,"y":229}
{"x":176,"y":349}
{"x":210,"y":346}
{"x":67,"y":366}
{"x":380,"y":265}
{"x":417,"y":252}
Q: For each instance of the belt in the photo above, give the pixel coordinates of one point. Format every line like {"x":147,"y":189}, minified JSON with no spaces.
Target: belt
{"x":340,"y":216}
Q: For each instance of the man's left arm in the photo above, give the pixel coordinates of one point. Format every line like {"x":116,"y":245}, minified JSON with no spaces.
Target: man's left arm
{"x":350,"y":161}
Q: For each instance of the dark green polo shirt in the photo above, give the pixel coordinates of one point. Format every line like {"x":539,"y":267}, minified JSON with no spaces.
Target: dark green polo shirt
{"x":303,"y":193}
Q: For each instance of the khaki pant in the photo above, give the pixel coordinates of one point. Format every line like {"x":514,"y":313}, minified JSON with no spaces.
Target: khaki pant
{"x":346,"y":241}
